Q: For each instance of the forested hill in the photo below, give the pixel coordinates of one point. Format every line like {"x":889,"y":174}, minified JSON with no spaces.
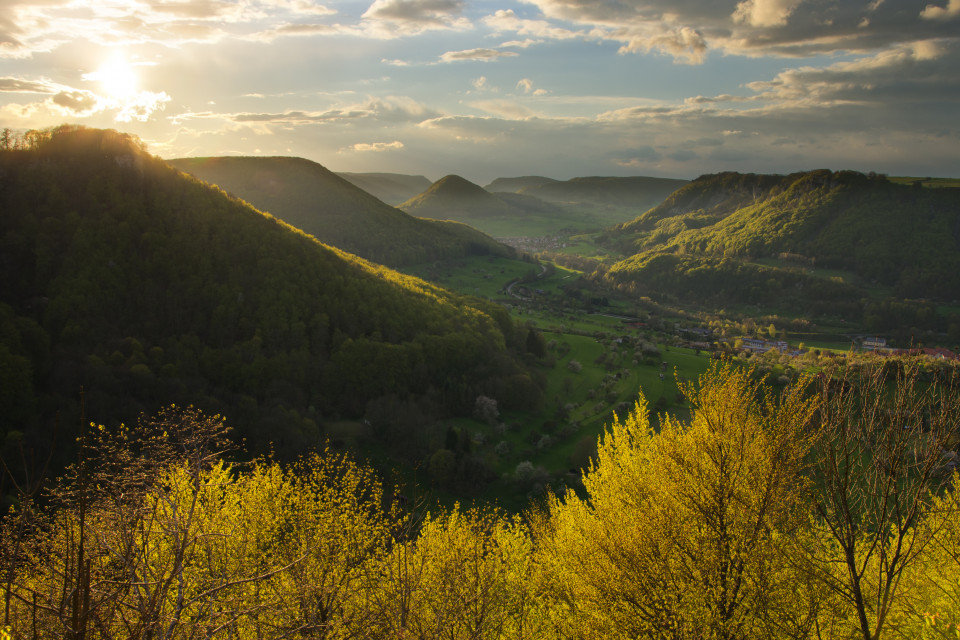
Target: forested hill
{"x":141,"y":286}
{"x":456,"y":198}
{"x":314,"y":199}
{"x":898,"y":236}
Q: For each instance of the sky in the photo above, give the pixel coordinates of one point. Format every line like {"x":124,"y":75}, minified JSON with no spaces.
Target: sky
{"x":502,"y":88}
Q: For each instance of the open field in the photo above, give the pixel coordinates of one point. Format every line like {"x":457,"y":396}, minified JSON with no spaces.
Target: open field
{"x":928,"y":182}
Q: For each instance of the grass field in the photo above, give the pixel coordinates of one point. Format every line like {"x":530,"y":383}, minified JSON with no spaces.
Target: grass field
{"x":928,"y":182}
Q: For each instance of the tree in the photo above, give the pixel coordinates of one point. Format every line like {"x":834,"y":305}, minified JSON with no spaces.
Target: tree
{"x":682,"y":531}
{"x":466,"y":574}
{"x":878,"y":469}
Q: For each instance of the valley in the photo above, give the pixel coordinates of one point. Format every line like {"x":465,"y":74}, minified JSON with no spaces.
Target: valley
{"x":598,"y":334}
{"x":223,"y":363}
{"x":598,"y":289}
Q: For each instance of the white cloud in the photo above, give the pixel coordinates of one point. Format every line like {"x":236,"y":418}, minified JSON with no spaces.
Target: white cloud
{"x":479,"y":83}
{"x":483,"y":55}
{"x":525,"y":85}
{"x":389,"y":110}
{"x":521,"y":44}
{"x":376,"y":146}
{"x":684,"y":44}
{"x":507,"y":20}
{"x":20,"y":85}
{"x":936,"y":12}
{"x":765,"y":13}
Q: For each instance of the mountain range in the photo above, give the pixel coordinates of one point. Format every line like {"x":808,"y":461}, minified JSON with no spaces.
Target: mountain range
{"x":335,"y":211}
{"x":392,"y":188}
{"x":633,"y":192}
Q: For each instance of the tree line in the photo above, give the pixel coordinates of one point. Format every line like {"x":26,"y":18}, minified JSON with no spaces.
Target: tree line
{"x":825,"y":510}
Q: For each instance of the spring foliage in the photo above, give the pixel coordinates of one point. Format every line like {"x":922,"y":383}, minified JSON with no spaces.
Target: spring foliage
{"x":714,"y":527}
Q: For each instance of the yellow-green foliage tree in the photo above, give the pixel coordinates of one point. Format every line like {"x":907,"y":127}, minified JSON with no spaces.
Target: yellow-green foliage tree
{"x":681,"y":532}
{"x":465,"y":574}
{"x":155,"y":536}
{"x":765,"y":515}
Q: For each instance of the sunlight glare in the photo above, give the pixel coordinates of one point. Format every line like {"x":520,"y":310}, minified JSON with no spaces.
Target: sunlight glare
{"x":117,"y":78}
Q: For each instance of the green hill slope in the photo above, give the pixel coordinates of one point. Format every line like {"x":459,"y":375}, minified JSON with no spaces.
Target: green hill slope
{"x":725,"y":227}
{"x":311,"y":198}
{"x":455,"y":198}
{"x":130,"y":283}
{"x":392,"y":188}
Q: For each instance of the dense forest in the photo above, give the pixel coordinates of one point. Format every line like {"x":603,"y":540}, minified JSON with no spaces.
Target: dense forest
{"x":806,"y":241}
{"x":829,"y":511}
{"x":328,"y":207}
{"x":129,"y":285}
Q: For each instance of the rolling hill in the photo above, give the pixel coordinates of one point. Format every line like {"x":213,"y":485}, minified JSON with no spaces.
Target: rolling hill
{"x":129,"y":285}
{"x":633,"y":192}
{"x":392,"y":188}
{"x":502,"y":214}
{"x":336,"y":212}
{"x":756,"y":237}
{"x":516,"y":185}
{"x":456,"y":198}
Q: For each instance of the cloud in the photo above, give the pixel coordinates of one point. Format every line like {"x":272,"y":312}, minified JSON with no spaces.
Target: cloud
{"x":504,"y":108}
{"x":19,"y":85}
{"x":33,"y":26}
{"x":765,"y":13}
{"x":72,"y":102}
{"x":689,"y":30}
{"x":479,"y":83}
{"x":411,"y":17}
{"x":376,"y":146}
{"x":506,"y":20}
{"x":297,"y":29}
{"x":525,"y":85}
{"x":936,"y":12}
{"x":79,"y":103}
{"x":684,"y":44}
{"x":389,"y":110}
{"x":483,"y":55}
{"x":521,"y":44}
{"x":139,"y":106}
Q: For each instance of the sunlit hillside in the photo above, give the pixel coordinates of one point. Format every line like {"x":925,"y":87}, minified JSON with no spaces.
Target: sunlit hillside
{"x":129,"y":285}
{"x":312,"y":198}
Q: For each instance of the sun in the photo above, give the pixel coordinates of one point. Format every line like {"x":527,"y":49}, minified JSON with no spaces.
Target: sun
{"x":117,"y":78}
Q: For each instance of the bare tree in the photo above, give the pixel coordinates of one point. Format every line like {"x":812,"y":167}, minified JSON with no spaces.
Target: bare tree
{"x":877,"y":467}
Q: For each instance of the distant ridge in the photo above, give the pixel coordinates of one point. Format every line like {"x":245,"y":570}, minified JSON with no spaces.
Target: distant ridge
{"x":392,"y":188}
{"x":316,"y":200}
{"x":636,"y":192}
{"x":515,"y":185}
{"x":455,"y":198}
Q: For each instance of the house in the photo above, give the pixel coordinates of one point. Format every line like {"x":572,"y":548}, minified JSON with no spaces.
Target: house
{"x":762,"y":346}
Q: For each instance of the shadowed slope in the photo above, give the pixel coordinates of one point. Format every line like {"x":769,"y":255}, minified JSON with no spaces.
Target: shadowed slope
{"x":314,"y":199}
